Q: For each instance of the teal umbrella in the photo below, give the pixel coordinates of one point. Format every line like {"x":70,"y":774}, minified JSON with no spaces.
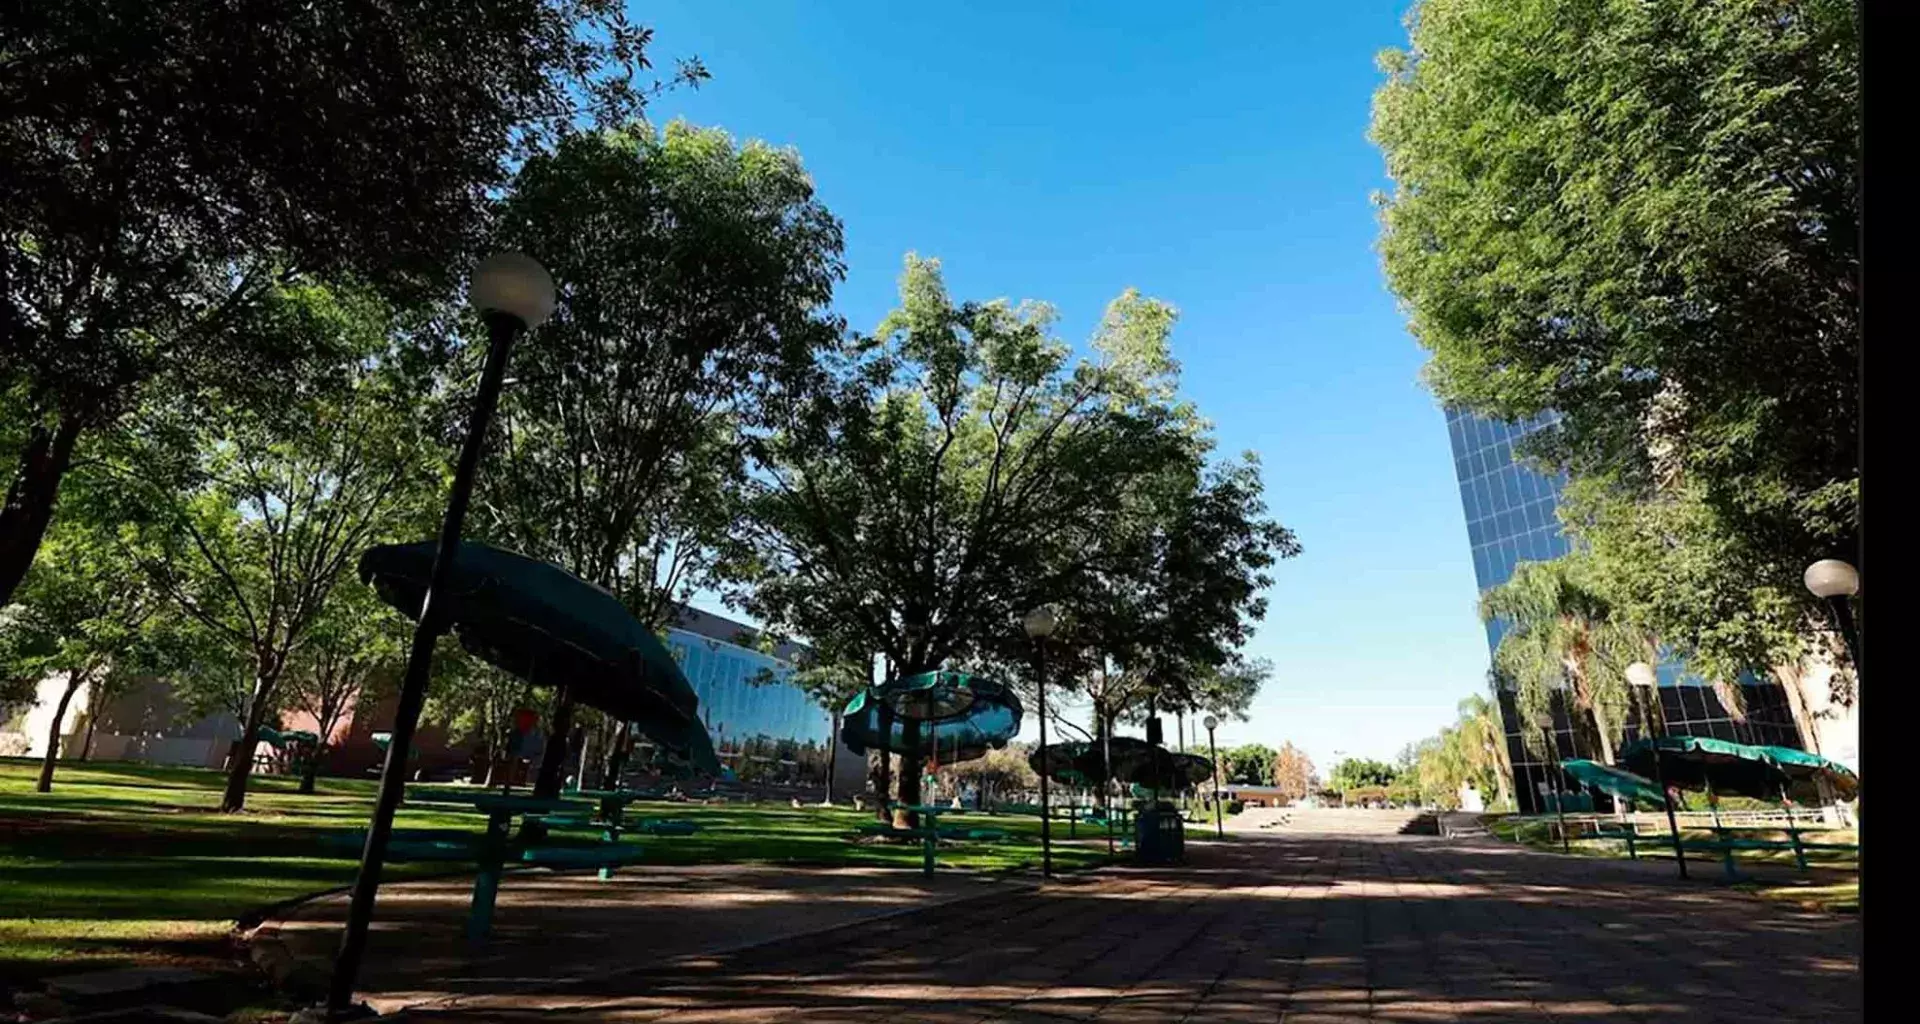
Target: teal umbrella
{"x":1801,"y":766}
{"x":941,"y":716}
{"x":1699,"y":762}
{"x":1617,"y":781}
{"x":552,"y":628}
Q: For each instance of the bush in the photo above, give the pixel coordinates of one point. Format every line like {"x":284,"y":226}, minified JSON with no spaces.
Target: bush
{"x":1236,"y":806}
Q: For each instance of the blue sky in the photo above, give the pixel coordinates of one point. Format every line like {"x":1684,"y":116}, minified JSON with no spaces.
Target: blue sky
{"x":1215,"y":157}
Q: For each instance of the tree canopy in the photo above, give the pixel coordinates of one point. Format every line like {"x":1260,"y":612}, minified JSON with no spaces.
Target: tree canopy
{"x":1357,"y":773}
{"x":936,"y":481}
{"x":696,"y":272}
{"x":1643,"y":216}
{"x":168,"y":163}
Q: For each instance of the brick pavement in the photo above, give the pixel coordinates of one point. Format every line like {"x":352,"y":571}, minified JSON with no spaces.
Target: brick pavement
{"x":1279,"y":929}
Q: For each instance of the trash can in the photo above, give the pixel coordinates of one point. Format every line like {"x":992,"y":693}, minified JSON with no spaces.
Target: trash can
{"x":1159,"y":836}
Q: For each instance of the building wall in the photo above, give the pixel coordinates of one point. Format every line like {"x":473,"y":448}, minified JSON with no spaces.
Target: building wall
{"x":1511,"y":518}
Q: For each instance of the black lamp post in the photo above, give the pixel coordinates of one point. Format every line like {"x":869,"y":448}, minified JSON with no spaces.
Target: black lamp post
{"x":1835,"y":582}
{"x":1642,"y":676}
{"x":1039,"y":625}
{"x":1213,"y":750}
{"x":1545,"y":721}
{"x":514,"y":294}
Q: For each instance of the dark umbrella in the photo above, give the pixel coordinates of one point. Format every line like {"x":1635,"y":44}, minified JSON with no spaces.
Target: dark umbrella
{"x":1134,"y":761}
{"x":550,"y":627}
{"x":1702,"y":762}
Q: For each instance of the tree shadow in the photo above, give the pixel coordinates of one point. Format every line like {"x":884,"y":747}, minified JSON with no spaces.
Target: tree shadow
{"x":1387,"y":929}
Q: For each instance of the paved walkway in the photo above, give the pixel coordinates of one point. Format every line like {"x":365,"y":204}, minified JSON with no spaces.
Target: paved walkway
{"x":1285,"y":927}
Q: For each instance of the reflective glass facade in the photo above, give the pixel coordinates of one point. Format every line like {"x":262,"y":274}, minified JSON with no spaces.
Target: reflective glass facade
{"x":762,"y":726}
{"x":1510,"y":510}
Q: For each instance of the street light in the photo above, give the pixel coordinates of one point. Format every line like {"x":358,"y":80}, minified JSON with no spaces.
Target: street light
{"x":1642,"y":676}
{"x":1214,"y":750}
{"x":1039,"y":625}
{"x":1545,"y":721}
{"x":513,"y":294}
{"x":1835,"y":582}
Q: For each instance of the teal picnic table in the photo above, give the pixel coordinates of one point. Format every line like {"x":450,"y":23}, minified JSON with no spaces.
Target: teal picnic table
{"x":500,"y":810}
{"x":930,"y":833}
{"x":929,"y":829}
{"x":1730,"y":838}
{"x":613,"y":810}
{"x":493,"y":848}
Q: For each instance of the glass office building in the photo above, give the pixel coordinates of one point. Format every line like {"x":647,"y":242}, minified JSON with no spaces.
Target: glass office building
{"x":762,"y":725}
{"x":1510,"y":510}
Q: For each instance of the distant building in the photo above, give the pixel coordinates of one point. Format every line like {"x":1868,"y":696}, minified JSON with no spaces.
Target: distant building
{"x":1511,"y":518}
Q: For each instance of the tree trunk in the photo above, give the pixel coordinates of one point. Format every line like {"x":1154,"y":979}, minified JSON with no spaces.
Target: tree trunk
{"x":93,"y":719}
{"x":911,"y":767}
{"x":240,"y":765}
{"x":1790,"y":678}
{"x":833,"y":752}
{"x":74,"y":683}
{"x":310,"y":772}
{"x":1601,"y":725}
{"x":886,"y":765}
{"x":553,"y":759}
{"x":30,"y":499}
{"x":1502,"y":772}
{"x":617,"y":754}
{"x":583,"y":757}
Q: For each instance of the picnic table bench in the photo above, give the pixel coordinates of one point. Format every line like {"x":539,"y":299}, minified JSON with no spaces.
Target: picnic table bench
{"x":931,"y":831}
{"x":491,"y":849}
{"x":1729,"y":839}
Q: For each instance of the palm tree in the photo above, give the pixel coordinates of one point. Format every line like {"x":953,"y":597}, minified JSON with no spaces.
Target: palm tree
{"x":1562,"y":634}
{"x":1483,"y":745}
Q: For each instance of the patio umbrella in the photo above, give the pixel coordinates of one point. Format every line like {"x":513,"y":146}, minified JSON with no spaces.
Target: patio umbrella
{"x":1617,"y":781}
{"x":552,"y":628}
{"x":1702,"y":762}
{"x":1068,"y":761}
{"x":1135,"y":761}
{"x":1801,"y":766}
{"x":943,"y":716}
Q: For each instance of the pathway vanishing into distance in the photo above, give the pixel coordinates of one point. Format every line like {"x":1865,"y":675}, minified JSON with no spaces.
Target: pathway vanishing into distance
{"x":1331,"y":917}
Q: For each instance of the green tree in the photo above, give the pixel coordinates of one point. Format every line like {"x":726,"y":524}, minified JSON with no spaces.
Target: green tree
{"x":1673,"y":568}
{"x":1358,"y":773}
{"x":696,"y":271}
{"x":476,"y":702}
{"x":84,"y":614}
{"x":1471,"y":751}
{"x":1250,"y":764}
{"x":254,"y":517}
{"x":1164,"y":625}
{"x":332,"y":671}
{"x":931,"y":484}
{"x":1643,"y":216}
{"x":997,"y":772}
{"x":1562,"y":633}
{"x":156,"y":190}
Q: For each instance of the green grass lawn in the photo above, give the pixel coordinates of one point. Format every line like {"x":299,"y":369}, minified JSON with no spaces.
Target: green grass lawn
{"x":1825,"y":888}
{"x":131,"y":863}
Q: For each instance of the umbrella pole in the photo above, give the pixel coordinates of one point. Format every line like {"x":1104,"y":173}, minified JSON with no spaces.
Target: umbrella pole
{"x":501,"y":331}
{"x":1673,"y":823}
